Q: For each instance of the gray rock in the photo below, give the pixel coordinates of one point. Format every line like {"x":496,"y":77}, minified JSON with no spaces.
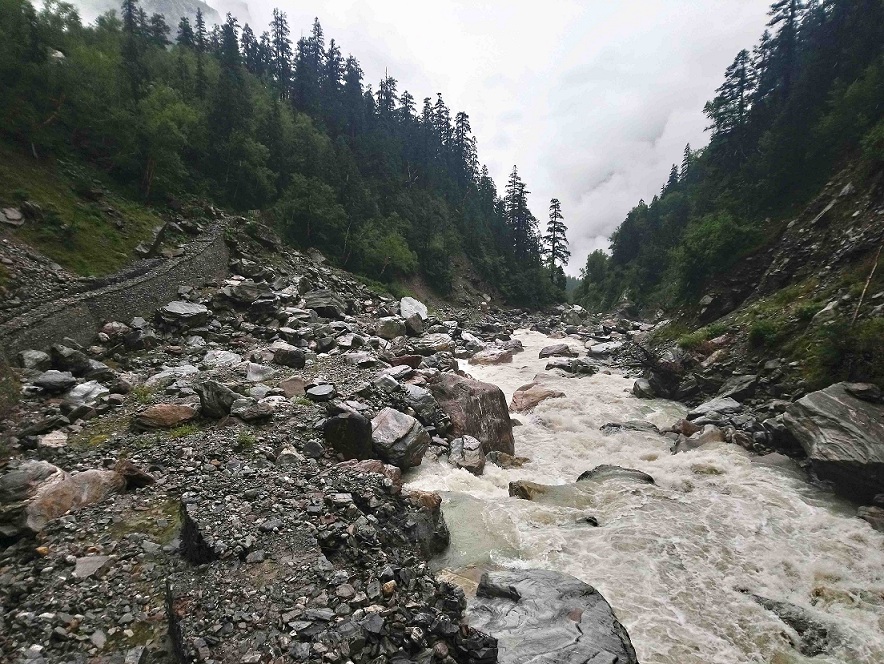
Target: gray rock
{"x":422,"y":402}
{"x":557,"y":350}
{"x":251,"y":410}
{"x":844,"y":438}
{"x":739,"y":387}
{"x":349,"y":434}
{"x":324,"y":392}
{"x":408,"y":307}
{"x":632,"y":425}
{"x":608,"y":472}
{"x":185,"y":314}
{"x":722,"y":406}
{"x":391,"y":327}
{"x":215,"y":398}
{"x":466,"y":452}
{"x":399,"y":439}
{"x":643,"y":390}
{"x":86,"y":393}
{"x":70,"y":359}
{"x":326,"y":303}
{"x":289,"y":356}
{"x":221,"y":358}
{"x":55,"y":382}
{"x":87,"y":566}
{"x":430,"y":344}
{"x":414,"y":325}
{"x":34,"y":359}
{"x":545,"y":617}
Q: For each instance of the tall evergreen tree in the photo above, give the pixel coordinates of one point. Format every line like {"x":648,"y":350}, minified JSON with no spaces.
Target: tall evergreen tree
{"x":281,"y":53}
{"x":185,"y":37}
{"x":554,"y":241}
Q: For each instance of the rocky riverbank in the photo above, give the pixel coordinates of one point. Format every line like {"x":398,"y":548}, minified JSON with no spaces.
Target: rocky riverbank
{"x":220,"y":479}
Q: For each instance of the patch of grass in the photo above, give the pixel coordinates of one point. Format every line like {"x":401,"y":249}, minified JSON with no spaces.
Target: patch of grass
{"x":840,"y":351}
{"x":697,"y":338}
{"x":376,"y":287}
{"x":77,"y":233}
{"x":763,"y":333}
{"x":142,"y":394}
{"x":302,"y":401}
{"x":9,"y":387}
{"x":99,"y":430}
{"x":183,"y":430}
{"x":245,"y":440}
{"x":668,"y":333}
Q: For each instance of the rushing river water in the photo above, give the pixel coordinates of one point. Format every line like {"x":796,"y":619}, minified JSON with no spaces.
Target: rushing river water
{"x":671,"y":558}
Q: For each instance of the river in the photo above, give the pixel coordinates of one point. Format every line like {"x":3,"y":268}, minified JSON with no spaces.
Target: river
{"x":672,"y":557}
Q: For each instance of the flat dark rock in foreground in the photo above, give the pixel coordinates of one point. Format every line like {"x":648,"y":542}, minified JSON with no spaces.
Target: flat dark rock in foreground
{"x":544,"y":617}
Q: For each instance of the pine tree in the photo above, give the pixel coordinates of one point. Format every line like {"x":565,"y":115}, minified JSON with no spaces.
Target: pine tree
{"x":133,"y":46}
{"x":251,"y":51}
{"x":158,"y":31}
{"x":555,"y":243}
{"x":281,"y":53}
{"x":201,"y":43}
{"x":786,"y":14}
{"x":185,"y":38}
{"x":465,"y":149}
{"x":687,"y":161}
{"x":386,"y":97}
{"x":730,"y":108}
{"x":521,"y":223}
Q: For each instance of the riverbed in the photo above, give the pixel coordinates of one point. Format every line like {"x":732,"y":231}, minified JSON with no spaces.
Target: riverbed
{"x":674,"y":559}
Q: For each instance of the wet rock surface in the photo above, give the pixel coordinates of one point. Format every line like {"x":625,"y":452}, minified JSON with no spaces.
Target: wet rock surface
{"x":543,"y":616}
{"x":844,"y":438}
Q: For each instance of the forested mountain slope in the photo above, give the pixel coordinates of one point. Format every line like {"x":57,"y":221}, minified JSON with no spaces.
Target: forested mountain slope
{"x":773,"y":232}
{"x":382,"y":183}
{"x":807,"y":101}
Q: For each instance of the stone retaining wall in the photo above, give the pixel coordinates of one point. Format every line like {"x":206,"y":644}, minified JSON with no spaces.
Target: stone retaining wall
{"x":78,"y":317}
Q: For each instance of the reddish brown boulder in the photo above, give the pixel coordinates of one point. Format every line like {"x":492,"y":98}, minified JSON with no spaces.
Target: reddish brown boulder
{"x":475,"y":409}
{"x":528,"y":396}
{"x":164,"y":416}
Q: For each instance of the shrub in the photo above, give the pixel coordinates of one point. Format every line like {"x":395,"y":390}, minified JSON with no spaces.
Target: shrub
{"x":843,"y":352}
{"x":763,"y":333}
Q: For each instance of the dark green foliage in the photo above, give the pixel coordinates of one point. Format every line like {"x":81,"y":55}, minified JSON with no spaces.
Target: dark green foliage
{"x":253,"y":122}
{"x":840,"y":351}
{"x":806,"y":101}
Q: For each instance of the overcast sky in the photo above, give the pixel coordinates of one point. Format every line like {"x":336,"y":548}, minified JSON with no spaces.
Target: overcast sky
{"x":592,"y":99}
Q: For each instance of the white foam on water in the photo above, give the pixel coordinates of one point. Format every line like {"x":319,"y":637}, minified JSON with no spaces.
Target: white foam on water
{"x":669,"y":557}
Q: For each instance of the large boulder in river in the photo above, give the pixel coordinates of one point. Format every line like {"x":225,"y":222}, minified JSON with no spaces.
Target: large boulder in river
{"x":609,"y":472}
{"x":528,"y":396}
{"x":844,"y":438}
{"x":398,"y":438}
{"x":466,"y":452}
{"x":557,"y":350}
{"x":546,"y":617}
{"x":475,"y":409}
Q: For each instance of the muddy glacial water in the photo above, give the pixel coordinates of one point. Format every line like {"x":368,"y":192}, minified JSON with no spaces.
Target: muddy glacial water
{"x":674,"y":558}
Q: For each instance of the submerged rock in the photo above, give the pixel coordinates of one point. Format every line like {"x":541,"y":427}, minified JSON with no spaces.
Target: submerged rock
{"x":608,"y":472}
{"x":844,"y":438}
{"x":546,"y":617}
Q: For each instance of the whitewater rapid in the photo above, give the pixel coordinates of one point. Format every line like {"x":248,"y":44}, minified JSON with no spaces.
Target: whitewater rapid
{"x":671,"y":558}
